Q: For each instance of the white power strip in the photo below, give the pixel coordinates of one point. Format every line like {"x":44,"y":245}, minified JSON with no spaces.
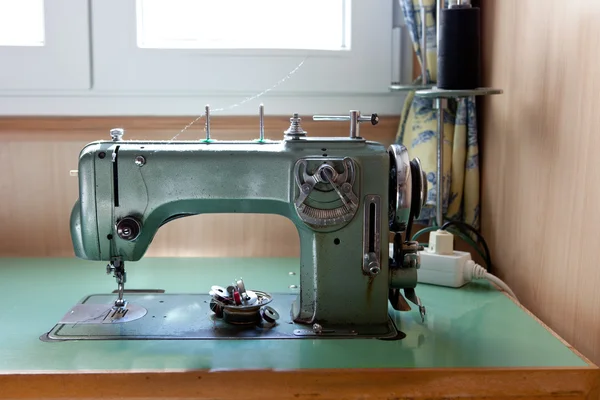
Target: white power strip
{"x":443,"y":266}
{"x":442,"y":270}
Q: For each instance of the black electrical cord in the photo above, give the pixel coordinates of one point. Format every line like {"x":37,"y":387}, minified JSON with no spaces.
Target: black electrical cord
{"x":463,"y":225}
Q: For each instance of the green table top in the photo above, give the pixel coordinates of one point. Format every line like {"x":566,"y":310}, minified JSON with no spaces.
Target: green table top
{"x":475,"y":326}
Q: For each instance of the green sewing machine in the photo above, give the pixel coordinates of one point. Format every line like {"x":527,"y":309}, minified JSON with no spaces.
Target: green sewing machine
{"x":347,"y":196}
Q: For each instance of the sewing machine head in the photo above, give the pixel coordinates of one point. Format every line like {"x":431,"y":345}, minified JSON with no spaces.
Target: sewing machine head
{"x":345,"y":195}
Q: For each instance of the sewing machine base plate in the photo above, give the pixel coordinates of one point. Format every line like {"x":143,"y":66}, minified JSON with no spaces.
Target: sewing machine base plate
{"x":188,"y":316}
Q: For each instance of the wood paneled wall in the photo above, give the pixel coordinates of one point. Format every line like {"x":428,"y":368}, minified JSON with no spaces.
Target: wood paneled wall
{"x":37,"y":193}
{"x":541,"y":164}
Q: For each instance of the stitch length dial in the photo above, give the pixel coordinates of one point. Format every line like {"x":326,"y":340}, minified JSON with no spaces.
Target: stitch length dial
{"x":326,"y":194}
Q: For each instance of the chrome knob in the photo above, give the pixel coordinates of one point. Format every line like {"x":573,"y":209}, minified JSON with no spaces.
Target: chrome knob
{"x":295,"y":130}
{"x":372,"y":264}
{"x":117,"y":134}
{"x":128,"y":228}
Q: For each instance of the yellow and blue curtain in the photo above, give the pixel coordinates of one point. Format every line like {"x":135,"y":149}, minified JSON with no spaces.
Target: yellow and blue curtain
{"x":418,"y":127}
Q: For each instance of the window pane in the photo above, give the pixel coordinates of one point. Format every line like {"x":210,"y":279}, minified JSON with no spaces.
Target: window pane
{"x":243,"y":24}
{"x":21,"y":22}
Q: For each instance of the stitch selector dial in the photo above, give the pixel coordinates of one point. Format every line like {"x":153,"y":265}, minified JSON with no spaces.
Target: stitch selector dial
{"x":326,"y":193}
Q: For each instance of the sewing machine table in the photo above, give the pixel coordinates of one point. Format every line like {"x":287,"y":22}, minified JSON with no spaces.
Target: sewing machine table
{"x":475,"y":341}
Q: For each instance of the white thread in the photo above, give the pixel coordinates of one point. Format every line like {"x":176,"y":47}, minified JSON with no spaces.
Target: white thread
{"x":247,"y":99}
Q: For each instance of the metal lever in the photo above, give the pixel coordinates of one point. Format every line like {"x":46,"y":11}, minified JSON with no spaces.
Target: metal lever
{"x":355,"y":118}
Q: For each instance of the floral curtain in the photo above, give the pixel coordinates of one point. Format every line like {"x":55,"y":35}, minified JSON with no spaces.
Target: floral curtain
{"x":418,"y":127}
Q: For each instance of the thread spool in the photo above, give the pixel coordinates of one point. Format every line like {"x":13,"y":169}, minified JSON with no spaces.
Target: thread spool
{"x":459,"y":48}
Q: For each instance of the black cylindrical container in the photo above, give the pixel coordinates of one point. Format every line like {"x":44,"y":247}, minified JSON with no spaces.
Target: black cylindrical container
{"x":459,"y":49}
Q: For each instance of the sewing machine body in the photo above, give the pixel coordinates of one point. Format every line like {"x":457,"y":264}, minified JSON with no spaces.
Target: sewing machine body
{"x":336,"y":191}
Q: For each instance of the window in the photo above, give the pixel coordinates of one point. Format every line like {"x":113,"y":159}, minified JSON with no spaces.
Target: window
{"x":249,"y":24}
{"x":171,"y":57}
{"x":44,"y":44}
{"x":22,"y":23}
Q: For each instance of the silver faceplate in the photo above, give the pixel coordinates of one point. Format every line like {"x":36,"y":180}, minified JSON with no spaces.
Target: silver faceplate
{"x":333,"y":175}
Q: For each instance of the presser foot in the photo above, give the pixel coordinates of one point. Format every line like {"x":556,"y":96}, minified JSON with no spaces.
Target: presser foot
{"x":117,"y":268}
{"x":412,"y":296}
{"x":399,"y":302}
{"x":406,"y":255}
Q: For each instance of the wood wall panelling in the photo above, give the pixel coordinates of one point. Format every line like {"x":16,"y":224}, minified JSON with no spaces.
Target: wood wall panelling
{"x":541,"y":171}
{"x":37,"y":193}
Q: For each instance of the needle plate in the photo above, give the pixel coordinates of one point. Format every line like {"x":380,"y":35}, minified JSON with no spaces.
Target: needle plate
{"x":184,"y":316}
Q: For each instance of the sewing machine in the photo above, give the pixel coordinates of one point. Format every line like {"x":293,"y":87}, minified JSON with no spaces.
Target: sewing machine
{"x":347,"y":197}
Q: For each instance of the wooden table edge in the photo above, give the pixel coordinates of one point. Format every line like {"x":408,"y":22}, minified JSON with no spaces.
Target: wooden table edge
{"x":390,"y":384}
